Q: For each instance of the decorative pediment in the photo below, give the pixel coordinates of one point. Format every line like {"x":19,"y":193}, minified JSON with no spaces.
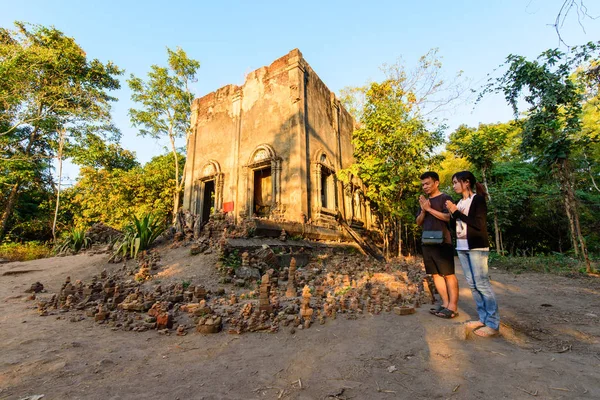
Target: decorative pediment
{"x":321,"y":157}
{"x":211,"y":168}
{"x":262,"y":154}
{"x":208,"y":170}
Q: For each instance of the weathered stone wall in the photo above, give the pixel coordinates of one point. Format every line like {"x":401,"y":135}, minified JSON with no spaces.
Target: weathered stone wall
{"x":283,"y":118}
{"x":330,"y":129}
{"x":233,"y":122}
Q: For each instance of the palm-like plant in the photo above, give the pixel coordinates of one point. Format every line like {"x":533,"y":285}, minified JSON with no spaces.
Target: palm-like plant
{"x":139,"y":235}
{"x":73,"y":241}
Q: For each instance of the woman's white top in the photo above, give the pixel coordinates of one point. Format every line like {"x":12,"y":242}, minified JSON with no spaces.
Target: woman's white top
{"x":461,"y":227}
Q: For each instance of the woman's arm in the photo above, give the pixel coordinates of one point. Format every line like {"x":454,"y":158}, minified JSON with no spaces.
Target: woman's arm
{"x":477,"y":218}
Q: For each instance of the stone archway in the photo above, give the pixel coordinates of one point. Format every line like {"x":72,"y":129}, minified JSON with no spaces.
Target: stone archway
{"x":324,"y":193}
{"x":210,"y":190}
{"x":262,"y":175}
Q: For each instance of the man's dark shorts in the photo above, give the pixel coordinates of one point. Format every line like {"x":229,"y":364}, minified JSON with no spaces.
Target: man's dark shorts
{"x":439,"y":259}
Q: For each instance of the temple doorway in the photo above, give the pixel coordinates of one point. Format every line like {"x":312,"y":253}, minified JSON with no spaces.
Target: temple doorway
{"x":263,"y":191}
{"x":208,"y":203}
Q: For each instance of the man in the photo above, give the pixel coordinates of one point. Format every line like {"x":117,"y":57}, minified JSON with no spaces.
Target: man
{"x":439,"y":257}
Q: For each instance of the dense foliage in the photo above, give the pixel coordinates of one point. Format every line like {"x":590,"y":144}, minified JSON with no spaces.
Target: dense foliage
{"x":554,"y":87}
{"x":541,"y":170}
{"x":165,"y":106}
{"x":396,"y":141}
{"x":113,"y":196}
{"x":51,"y":95}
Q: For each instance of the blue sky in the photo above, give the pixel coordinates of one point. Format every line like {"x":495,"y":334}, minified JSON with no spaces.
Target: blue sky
{"x":344,"y":41}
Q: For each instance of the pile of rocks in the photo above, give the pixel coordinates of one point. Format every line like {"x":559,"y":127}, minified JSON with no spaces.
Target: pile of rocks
{"x":102,"y":234}
{"x":291,"y":297}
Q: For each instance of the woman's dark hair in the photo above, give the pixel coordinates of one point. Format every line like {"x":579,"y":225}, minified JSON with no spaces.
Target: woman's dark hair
{"x":467,"y":176}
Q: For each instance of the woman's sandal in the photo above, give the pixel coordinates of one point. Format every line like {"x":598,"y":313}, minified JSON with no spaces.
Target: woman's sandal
{"x":435,"y":310}
{"x":475,"y":324}
{"x":486,"y":331}
{"x":446,"y":313}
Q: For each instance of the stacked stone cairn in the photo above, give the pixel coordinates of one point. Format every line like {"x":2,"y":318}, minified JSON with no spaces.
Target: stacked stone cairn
{"x":340,"y":286}
{"x":291,"y":285}
{"x":305,"y":311}
{"x":264,"y":296}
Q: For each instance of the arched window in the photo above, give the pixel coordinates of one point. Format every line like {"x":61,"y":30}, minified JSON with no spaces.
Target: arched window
{"x":325,"y":194}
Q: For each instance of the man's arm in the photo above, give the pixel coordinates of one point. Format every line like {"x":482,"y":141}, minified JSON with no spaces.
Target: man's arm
{"x":439,"y":215}
{"x":421,"y":217}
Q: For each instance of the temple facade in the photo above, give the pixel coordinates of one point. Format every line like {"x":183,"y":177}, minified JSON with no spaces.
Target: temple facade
{"x":271,"y":148}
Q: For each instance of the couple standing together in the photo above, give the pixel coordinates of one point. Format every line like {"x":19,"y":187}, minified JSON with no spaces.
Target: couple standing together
{"x":468,"y":218}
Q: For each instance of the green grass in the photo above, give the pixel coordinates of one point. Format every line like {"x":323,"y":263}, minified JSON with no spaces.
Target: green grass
{"x":24,"y":251}
{"x":556,"y":263}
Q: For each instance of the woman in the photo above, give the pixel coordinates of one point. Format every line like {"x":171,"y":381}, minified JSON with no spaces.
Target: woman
{"x":470,"y":216}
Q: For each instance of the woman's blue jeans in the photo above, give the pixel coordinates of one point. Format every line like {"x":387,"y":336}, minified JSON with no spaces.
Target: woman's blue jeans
{"x":475,"y":267}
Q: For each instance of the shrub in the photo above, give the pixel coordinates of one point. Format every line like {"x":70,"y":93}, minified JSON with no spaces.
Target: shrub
{"x":24,"y":251}
{"x":556,"y":263}
{"x":73,"y":241}
{"x":232,"y":260}
{"x":139,"y":235}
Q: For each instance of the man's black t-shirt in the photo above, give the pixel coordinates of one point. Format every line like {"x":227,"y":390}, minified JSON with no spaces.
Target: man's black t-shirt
{"x":431,"y":223}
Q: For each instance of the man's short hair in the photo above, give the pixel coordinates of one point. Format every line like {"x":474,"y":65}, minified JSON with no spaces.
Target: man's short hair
{"x":432,"y":175}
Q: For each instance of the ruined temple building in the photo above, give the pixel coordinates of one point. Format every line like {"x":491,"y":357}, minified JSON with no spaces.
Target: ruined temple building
{"x":271,"y":149}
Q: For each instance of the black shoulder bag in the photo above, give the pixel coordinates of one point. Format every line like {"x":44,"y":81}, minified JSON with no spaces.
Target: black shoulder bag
{"x":432,"y":237}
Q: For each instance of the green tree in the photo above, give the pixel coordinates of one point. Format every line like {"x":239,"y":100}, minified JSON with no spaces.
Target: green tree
{"x":449,"y":164}
{"x":112,"y":196}
{"x":30,"y":217}
{"x":483,"y":147}
{"x":424,"y":87}
{"x":47,"y":86}
{"x":166,"y":101}
{"x":590,"y":151}
{"x":92,"y":150}
{"x":397,"y":135}
{"x":391,"y":148}
{"x":553,"y":127}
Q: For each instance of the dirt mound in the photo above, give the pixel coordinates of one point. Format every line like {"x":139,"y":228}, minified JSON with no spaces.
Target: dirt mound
{"x":102,"y":234}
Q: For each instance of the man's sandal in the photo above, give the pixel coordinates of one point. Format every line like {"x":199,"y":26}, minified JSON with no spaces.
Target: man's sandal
{"x":446,"y":313}
{"x":485,"y":331}
{"x":474,"y":324}
{"x":435,"y":310}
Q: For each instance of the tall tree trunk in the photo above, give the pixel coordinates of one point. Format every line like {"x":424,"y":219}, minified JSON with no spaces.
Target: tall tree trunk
{"x":386,"y":241}
{"x":59,"y":156}
{"x":573,"y":235}
{"x":580,"y":238}
{"x":408,"y":250}
{"x":399,"y":236}
{"x":177,"y":184}
{"x":496,"y":228}
{"x":570,"y":199}
{"x":498,"y":236}
{"x":10,"y":205}
{"x":14,"y":191}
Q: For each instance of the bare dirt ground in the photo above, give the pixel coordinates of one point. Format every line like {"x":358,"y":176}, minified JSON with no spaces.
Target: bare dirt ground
{"x":549,"y":348}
